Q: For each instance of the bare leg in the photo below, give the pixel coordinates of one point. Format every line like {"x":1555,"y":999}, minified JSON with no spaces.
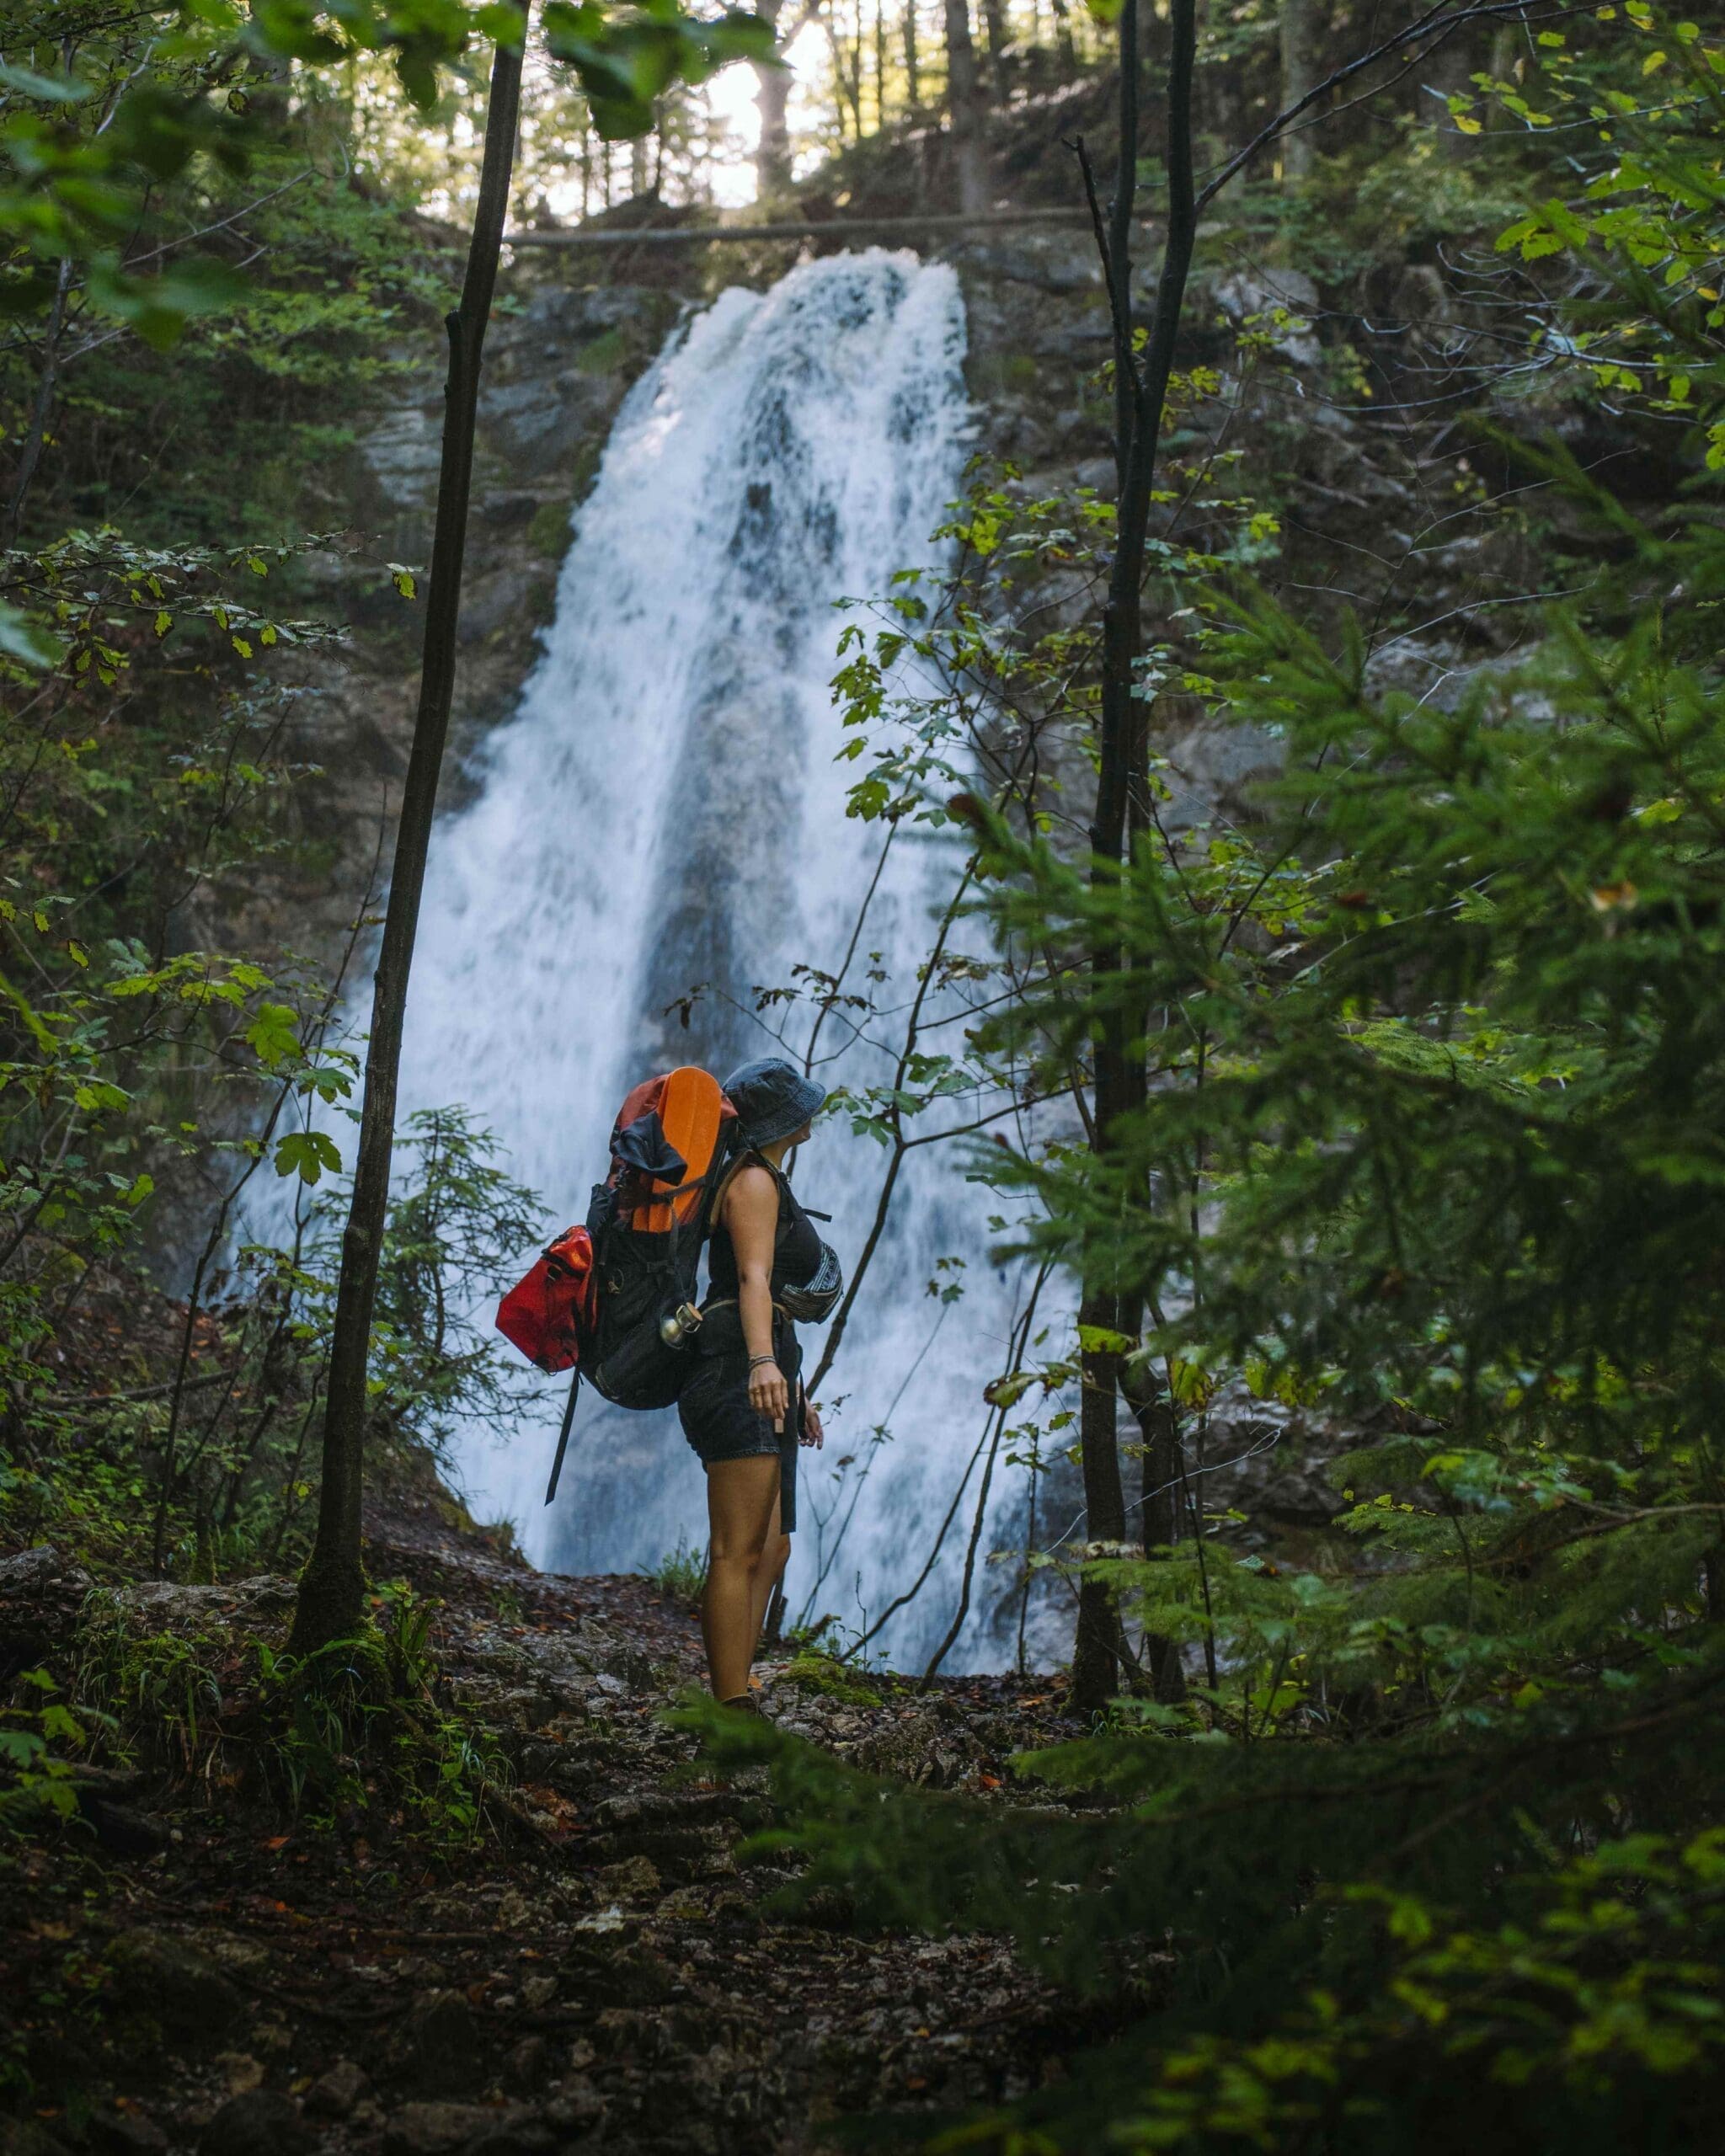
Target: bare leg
{"x":774,"y":1552}
{"x":742,"y":1505}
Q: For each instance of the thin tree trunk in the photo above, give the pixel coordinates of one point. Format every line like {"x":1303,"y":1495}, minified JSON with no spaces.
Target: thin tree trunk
{"x":965,"y":109}
{"x":773,"y":97}
{"x":963,"y":1611}
{"x":36,"y":431}
{"x":1163,"y":1495}
{"x":1139,"y":401}
{"x":1299,"y":74}
{"x":994,"y":21}
{"x":913,"y":80}
{"x":333,"y":1587}
{"x":1449,"y":74}
{"x":1063,"y":37}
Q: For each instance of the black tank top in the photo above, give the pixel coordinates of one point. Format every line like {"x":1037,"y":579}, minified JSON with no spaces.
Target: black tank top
{"x":796,"y":1250}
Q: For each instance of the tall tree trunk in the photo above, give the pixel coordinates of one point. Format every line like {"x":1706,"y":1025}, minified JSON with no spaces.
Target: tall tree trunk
{"x":1448,"y":72}
{"x":1063,"y":37}
{"x":333,"y":1587}
{"x":1299,"y":71}
{"x":1140,"y":397}
{"x":965,"y":109}
{"x":994,"y":19}
{"x":913,"y":80}
{"x":1158,"y":1422}
{"x":35,"y":433}
{"x":772,"y":99}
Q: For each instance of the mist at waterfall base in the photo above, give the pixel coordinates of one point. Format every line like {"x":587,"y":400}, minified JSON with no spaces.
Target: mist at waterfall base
{"x":665,"y":811}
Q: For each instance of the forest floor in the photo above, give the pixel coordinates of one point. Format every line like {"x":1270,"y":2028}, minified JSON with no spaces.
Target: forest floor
{"x":193,"y":1964}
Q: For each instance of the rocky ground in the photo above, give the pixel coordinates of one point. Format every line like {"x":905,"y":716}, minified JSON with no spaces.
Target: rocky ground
{"x":191,"y":1964}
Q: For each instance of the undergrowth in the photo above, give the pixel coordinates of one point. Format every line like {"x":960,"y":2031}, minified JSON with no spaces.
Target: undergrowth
{"x":362,"y":1730}
{"x":680,"y":1574}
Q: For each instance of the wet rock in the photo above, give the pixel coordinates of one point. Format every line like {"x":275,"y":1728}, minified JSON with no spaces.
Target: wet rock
{"x":636,"y":1879}
{"x":497,"y":604}
{"x":121,"y":1828}
{"x":334,"y":2093}
{"x":40,"y":1596}
{"x":921,"y":1748}
{"x":514,"y":1912}
{"x":624,"y":1976}
{"x":529,"y":2062}
{"x":1052,"y":262}
{"x":520,"y":2134}
{"x":162,"y":1981}
{"x":402,"y":458}
{"x":263,"y":2122}
{"x":173,"y":1606}
{"x":126,"y":2133}
{"x":1252,"y":300}
{"x":436,"y":2047}
{"x":426,"y":2129}
{"x":26,"y":2137}
{"x":31,"y":1572}
{"x":577,"y":2107}
{"x":509,"y":505}
{"x":1216,"y":765}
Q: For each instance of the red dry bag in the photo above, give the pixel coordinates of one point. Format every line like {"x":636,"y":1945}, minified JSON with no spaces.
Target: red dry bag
{"x":547,"y":1314}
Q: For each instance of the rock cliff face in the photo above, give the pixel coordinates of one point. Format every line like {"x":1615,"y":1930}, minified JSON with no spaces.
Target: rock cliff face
{"x":560,"y":359}
{"x":1377,"y":508}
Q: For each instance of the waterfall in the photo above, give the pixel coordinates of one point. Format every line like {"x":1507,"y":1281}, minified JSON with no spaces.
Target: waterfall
{"x":664,"y":810}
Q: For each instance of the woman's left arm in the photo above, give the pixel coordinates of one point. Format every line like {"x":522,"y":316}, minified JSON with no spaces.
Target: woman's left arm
{"x":813,"y":1434}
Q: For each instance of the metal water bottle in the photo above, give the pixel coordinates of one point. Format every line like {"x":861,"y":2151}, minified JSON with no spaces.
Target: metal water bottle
{"x":675,"y":1326}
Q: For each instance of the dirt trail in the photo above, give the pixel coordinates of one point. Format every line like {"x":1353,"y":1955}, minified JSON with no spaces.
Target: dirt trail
{"x":206,"y":1974}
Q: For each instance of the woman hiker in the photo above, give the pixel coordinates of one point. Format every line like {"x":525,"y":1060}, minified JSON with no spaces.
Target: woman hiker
{"x":743,"y":1407}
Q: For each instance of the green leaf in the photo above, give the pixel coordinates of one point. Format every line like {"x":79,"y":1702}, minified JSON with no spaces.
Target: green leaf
{"x":20,"y":638}
{"x":46,"y":89}
{"x":273,"y":1036}
{"x":306,"y":1154}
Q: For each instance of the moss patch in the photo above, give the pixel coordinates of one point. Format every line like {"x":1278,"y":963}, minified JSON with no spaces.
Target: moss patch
{"x":820,"y":1672}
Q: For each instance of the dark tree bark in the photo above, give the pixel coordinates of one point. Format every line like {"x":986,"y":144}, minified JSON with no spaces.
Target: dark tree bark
{"x":964,"y":109}
{"x":36,"y":431}
{"x":1140,"y":396}
{"x":1299,"y":73}
{"x":913,"y":80}
{"x":332,"y":1592}
{"x":1161,"y":1496}
{"x":994,"y":19}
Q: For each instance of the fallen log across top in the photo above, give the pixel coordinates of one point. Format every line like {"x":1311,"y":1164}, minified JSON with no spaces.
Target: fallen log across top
{"x":833,"y":228}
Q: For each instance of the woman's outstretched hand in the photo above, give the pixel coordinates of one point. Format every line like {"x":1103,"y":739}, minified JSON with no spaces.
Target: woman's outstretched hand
{"x":768,"y":1393}
{"x":813,"y":1434}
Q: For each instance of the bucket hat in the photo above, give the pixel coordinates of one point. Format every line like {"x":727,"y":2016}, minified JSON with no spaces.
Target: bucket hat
{"x":771,"y":1099}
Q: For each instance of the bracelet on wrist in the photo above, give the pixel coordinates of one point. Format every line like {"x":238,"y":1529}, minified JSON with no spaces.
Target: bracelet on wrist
{"x":755,"y":1361}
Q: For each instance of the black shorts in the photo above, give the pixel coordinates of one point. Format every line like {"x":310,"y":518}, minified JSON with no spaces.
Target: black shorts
{"x":720,"y":1424}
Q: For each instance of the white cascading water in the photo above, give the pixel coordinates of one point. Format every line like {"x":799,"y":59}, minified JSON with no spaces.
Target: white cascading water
{"x":664,"y":810}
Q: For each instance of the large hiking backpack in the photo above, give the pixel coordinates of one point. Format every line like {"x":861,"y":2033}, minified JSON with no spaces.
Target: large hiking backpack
{"x":649,"y":1219}
{"x":617,"y":1297}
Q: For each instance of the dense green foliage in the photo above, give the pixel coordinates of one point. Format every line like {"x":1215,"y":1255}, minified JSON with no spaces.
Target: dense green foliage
{"x":1430,"y":1152}
{"x":1410,"y":1836}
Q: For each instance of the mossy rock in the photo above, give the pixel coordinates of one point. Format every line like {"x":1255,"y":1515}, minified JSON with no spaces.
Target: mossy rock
{"x":820,"y":1672}
{"x":548,"y":531}
{"x":603,"y":354}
